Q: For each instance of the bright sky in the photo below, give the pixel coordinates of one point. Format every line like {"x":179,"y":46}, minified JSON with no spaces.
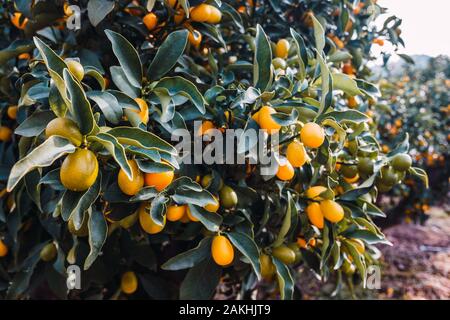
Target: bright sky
{"x":425,"y":25}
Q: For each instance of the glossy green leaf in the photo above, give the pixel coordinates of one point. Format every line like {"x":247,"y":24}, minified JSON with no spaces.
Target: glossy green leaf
{"x":167,"y":55}
{"x":191,"y":257}
{"x":248,"y":248}
{"x":262,"y":61}
{"x":128,"y":57}
{"x":42,"y":156}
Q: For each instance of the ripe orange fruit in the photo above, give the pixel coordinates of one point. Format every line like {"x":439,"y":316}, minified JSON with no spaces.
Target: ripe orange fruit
{"x":265,"y":120}
{"x":76,"y":69}
{"x":352,"y":103}
{"x":282,"y":48}
{"x":195,"y":38}
{"x":312,"y":135}
{"x":296,"y":154}
{"x":3,"y":249}
{"x":205,"y":126}
{"x":348,"y":69}
{"x":159,"y":180}
{"x":79,"y":170}
{"x":67,"y":10}
{"x":175,"y":212}
{"x":301,"y":243}
{"x":66,"y":128}
{"x":315,"y":215}
{"x":379,"y":41}
{"x":201,"y":13}
{"x":312,"y":242}
{"x":150,"y":20}
{"x":213,"y":207}
{"x":331,"y":210}
{"x":215,"y":15}
{"x":179,"y":16}
{"x":24,"y":56}
{"x":314,"y":192}
{"x":146,"y":222}
{"x":285,"y":171}
{"x":5,"y":134}
{"x":15,"y":20}
{"x":143,"y":114}
{"x":222,"y":250}
{"x":129,"y":282}
{"x":131,"y":186}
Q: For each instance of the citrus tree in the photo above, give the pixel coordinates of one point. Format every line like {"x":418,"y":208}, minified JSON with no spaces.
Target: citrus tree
{"x":419,"y":101}
{"x":92,"y":95}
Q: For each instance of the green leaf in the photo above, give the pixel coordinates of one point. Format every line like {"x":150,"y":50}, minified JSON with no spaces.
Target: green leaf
{"x":98,"y":230}
{"x":167,"y":55}
{"x":347,"y":115}
{"x":55,"y":66}
{"x":79,"y":105}
{"x":51,"y":59}
{"x":363,"y":188}
{"x":58,"y":104}
{"x":188,"y":196}
{"x":358,"y":259}
{"x":145,"y":194}
{"x":34,"y":124}
{"x":201,"y":281}
{"x":128,"y":57}
{"x":98,"y":10}
{"x":343,"y":82}
{"x":120,"y":79}
{"x":210,"y":220}
{"x":302,"y":53}
{"x":319,"y":34}
{"x":42,"y":156}
{"x":190,"y":258}
{"x":74,"y":204}
{"x":262,"y":61}
{"x":111,"y":144}
{"x":158,"y":208}
{"x":285,"y":281}
{"x":108,"y":104}
{"x":327,"y":84}
{"x":140,"y":138}
{"x":180,"y":86}
{"x":153,"y":167}
{"x":248,"y":248}
{"x":286,"y":225}
{"x":421,"y":174}
{"x":14,"y":49}
{"x":340,"y":56}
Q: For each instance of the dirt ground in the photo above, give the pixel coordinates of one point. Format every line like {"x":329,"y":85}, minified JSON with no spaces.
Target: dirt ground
{"x":417,"y":266}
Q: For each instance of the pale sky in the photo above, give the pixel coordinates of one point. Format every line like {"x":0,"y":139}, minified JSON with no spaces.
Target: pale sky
{"x":425,"y":26}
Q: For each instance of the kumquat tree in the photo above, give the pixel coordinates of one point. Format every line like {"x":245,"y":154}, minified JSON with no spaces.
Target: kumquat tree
{"x":166,"y":149}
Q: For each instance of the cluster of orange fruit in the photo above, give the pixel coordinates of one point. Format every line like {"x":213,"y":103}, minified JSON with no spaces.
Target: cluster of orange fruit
{"x":5,"y":131}
{"x":222,"y":252}
{"x":205,"y":13}
{"x":312,"y":135}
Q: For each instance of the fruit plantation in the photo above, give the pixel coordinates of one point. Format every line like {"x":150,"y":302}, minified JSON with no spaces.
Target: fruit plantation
{"x":90,"y":94}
